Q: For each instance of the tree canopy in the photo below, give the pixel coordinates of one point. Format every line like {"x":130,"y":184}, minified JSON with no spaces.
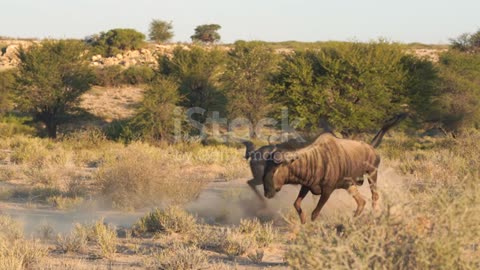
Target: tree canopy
{"x":354,"y":86}
{"x":160,"y":31}
{"x":206,"y":33}
{"x":467,"y":42}
{"x":116,"y":40}
{"x":197,"y":72}
{"x":247,"y":81}
{"x":51,"y":78}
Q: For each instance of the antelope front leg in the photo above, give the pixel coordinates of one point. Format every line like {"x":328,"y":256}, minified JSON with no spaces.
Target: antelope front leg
{"x":253,"y":185}
{"x":297,"y":204}
{"x":326,"y":192}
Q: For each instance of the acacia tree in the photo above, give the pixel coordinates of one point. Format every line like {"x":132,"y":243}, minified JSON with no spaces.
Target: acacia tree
{"x":155,"y":118}
{"x":51,"y":78}
{"x":467,"y":42}
{"x":197,"y":72}
{"x":247,"y":79}
{"x":160,"y":31}
{"x":353,"y":86}
{"x":115,"y":40}
{"x":206,"y":33}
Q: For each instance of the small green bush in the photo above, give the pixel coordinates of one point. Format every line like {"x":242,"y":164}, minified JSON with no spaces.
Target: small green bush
{"x":11,"y":125}
{"x":137,"y":75}
{"x":7,"y":81}
{"x":109,"y":76}
{"x":116,"y":40}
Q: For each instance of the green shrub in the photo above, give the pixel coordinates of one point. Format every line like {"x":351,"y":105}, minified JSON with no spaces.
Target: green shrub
{"x":355,"y":86}
{"x":197,"y":72}
{"x":116,"y":40}
{"x":7,"y":81}
{"x":206,"y":33}
{"x":156,"y":117}
{"x":138,"y":75}
{"x":467,"y":42}
{"x":109,"y":76}
{"x":11,"y":125}
{"x":51,"y":78}
{"x":459,"y":93}
{"x":160,"y":31}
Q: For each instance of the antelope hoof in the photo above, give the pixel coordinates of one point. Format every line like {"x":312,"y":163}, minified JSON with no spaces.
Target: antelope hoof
{"x":360,"y":207}
{"x":314,"y":216}
{"x":303,"y":218}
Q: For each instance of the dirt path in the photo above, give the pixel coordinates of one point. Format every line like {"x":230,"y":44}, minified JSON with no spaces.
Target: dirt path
{"x":221,"y":203}
{"x":228,"y":202}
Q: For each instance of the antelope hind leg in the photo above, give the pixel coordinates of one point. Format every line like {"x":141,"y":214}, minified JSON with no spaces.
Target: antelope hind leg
{"x":353,"y":190}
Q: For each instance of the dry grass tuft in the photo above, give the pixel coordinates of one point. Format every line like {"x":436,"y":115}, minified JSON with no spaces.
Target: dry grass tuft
{"x":170,"y":220}
{"x":74,"y":242}
{"x":235,"y":243}
{"x":106,"y":239}
{"x":179,"y":257}
{"x":142,"y":175}
{"x":430,"y":220}
{"x":15,"y":252}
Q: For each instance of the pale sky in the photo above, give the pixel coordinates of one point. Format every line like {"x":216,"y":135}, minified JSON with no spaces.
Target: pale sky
{"x":426,"y":21}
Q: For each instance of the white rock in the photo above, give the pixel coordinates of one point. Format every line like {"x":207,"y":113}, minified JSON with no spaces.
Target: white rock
{"x":11,"y":51}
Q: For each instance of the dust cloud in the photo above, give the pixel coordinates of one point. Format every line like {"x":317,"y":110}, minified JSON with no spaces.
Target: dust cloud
{"x":219,"y":203}
{"x":229,"y":202}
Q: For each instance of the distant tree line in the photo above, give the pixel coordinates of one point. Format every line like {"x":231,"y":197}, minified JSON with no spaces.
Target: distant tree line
{"x":353,"y":86}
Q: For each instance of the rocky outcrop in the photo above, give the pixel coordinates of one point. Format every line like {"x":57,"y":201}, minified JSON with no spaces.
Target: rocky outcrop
{"x":147,"y":56}
{"x":129,"y":58}
{"x":9,"y":50}
{"x":428,"y":54}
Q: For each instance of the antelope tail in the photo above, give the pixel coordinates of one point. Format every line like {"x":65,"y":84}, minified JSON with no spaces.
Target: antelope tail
{"x":388,"y":125}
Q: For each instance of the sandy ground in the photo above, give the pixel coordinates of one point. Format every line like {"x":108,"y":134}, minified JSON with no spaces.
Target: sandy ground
{"x":221,"y":203}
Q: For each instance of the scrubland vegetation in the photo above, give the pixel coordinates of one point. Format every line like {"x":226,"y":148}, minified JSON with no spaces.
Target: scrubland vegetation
{"x":154,"y":162}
